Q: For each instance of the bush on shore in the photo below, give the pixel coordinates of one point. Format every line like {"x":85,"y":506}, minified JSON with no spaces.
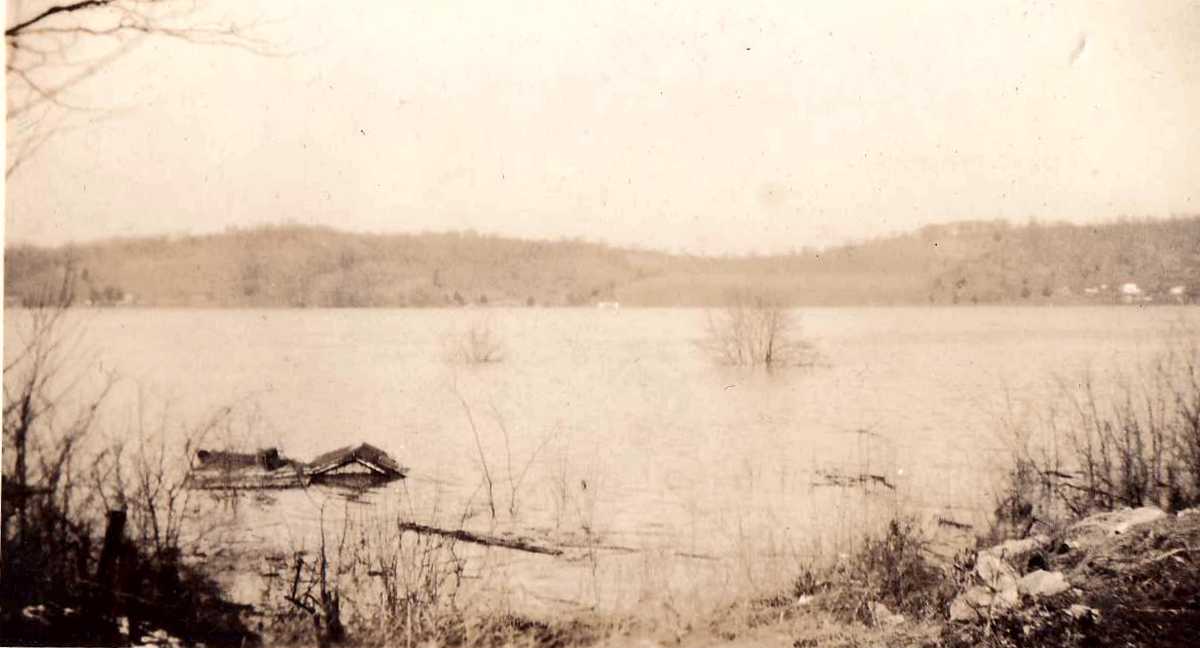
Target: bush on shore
{"x":74,"y":573}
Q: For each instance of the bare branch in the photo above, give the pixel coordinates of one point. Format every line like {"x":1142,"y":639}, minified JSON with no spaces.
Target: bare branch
{"x":43,"y":62}
{"x":18,"y":28}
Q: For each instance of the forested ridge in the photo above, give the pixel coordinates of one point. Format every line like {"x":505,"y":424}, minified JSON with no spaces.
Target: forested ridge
{"x":300,"y":266}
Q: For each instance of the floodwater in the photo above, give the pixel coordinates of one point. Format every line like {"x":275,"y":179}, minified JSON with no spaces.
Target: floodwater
{"x":612,"y":427}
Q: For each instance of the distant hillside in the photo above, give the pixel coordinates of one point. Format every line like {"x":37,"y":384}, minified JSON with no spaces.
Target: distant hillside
{"x":293,"y":266}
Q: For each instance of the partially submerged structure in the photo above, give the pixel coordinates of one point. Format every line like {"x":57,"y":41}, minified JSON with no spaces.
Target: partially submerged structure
{"x":362,"y":465}
{"x":219,"y":469}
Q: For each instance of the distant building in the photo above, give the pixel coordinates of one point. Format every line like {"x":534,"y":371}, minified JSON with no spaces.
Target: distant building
{"x":1130,"y":292}
{"x":1178,"y":294}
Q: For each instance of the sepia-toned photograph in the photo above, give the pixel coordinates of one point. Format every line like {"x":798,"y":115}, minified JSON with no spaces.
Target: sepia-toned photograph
{"x":613,"y":324}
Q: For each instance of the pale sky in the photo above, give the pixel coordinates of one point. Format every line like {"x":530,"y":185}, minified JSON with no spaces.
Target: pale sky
{"x":709,"y":127}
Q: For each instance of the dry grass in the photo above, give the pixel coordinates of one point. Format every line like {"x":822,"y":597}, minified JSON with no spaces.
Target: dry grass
{"x":1130,"y":437}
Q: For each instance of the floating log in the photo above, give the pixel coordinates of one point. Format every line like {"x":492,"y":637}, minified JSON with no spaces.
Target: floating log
{"x":863,"y":479}
{"x":632,"y":550}
{"x":481,"y":539}
{"x":953,"y":524}
{"x":521,"y":544}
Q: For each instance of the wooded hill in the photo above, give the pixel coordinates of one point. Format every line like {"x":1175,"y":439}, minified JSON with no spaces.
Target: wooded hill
{"x":295,"y":266}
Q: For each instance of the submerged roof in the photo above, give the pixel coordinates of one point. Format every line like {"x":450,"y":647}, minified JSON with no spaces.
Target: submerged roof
{"x":364,"y":453}
{"x":218,"y":469}
{"x":265,"y":459}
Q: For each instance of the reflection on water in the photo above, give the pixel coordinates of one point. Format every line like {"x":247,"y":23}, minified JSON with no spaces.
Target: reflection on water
{"x":613,"y":428}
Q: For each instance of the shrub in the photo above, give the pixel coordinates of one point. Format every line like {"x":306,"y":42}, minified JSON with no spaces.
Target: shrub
{"x":756,"y":330}
{"x":62,"y":583}
{"x":478,"y":343}
{"x":894,"y":568}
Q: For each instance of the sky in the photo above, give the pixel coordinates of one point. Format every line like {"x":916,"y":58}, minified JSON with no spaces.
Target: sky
{"x":724,"y":128}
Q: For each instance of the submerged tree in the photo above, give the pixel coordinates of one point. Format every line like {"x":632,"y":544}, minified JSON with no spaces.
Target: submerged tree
{"x":756,"y":330}
{"x":477,"y":343}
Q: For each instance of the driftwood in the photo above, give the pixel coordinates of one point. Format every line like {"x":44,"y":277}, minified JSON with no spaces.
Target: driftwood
{"x":486,"y":540}
{"x":633,"y":550}
{"x":520,"y":544}
{"x":832,"y":478}
{"x":953,"y":524}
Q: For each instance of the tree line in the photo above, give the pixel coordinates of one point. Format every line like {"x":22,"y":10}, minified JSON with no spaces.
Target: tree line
{"x":969,"y":262}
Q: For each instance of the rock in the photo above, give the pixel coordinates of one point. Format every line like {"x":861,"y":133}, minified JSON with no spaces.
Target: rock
{"x":995,"y":572}
{"x":1043,"y":583}
{"x":1188,"y":513}
{"x":1103,"y":525}
{"x":969,"y":605}
{"x":1084,"y":613}
{"x":35,"y":613}
{"x":1007,"y":598}
{"x":884,"y":616}
{"x":961,"y":612}
{"x":1143,"y":515}
{"x":1016,"y":548}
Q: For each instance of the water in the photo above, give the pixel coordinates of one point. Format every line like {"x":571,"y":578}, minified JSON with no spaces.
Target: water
{"x":613,"y":425}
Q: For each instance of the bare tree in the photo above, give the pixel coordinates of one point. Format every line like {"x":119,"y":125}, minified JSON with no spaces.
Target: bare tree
{"x":39,"y":434}
{"x":478,"y":343}
{"x":756,"y":330}
{"x":62,"y":480}
{"x":55,"y":47}
{"x":50,"y":406}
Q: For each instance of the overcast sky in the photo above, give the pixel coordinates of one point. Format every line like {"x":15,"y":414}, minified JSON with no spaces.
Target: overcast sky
{"x":726,"y":128}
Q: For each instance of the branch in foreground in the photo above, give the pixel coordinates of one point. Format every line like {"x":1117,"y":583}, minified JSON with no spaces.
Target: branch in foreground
{"x":16,"y":29}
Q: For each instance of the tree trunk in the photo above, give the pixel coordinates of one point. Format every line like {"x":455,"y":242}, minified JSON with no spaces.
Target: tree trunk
{"x":114,"y":533}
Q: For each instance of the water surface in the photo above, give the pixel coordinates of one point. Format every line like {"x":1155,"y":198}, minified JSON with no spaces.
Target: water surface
{"x":613,"y":426}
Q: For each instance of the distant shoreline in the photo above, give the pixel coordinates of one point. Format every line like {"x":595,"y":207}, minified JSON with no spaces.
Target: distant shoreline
{"x":966,"y":263}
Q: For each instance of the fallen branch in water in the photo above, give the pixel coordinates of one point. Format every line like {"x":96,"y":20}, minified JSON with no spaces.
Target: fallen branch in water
{"x":954,"y":524}
{"x":843,"y":480}
{"x":520,"y":544}
{"x":486,"y":540}
{"x":632,"y":550}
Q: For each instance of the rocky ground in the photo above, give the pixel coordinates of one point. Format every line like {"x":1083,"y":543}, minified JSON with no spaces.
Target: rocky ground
{"x":1126,"y":578}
